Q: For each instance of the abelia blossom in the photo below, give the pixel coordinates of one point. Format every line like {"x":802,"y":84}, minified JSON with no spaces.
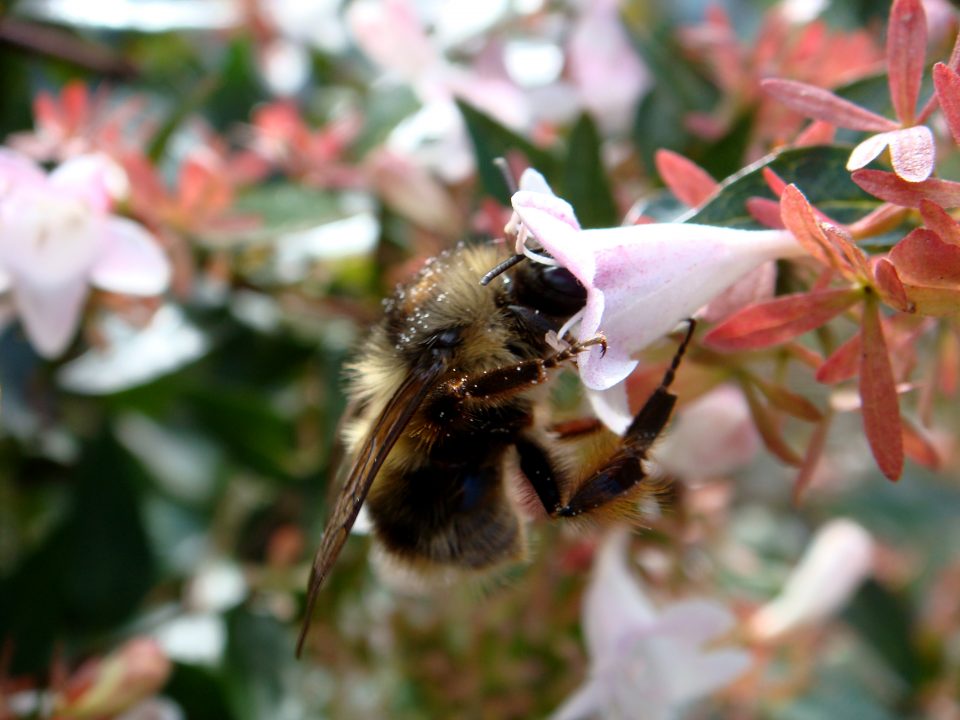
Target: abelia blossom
{"x":642,"y":280}
{"x":838,"y":559}
{"x":647,"y":661}
{"x":58,"y":237}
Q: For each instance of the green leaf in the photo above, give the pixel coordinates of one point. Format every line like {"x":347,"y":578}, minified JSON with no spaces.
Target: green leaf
{"x":200,"y":692}
{"x":884,"y":621}
{"x":820,"y":172}
{"x":283,"y":208}
{"x":585,"y":184}
{"x":491,"y":140}
{"x":258,"y":664}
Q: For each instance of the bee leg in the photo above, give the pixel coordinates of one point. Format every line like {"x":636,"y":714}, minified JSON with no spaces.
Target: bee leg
{"x":624,"y":470}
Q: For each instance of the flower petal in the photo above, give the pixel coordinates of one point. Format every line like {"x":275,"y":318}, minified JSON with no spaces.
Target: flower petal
{"x":614,"y":604}
{"x":868,"y":150}
{"x":50,"y":314}
{"x":583,"y":704}
{"x":912,"y":153}
{"x":611,"y":407}
{"x":654,"y":276}
{"x":94,"y":179}
{"x":553,"y":223}
{"x":131,"y":261}
{"x":838,"y":559}
{"x":18,"y":171}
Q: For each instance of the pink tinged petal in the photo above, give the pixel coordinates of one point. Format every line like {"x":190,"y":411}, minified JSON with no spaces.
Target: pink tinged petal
{"x":837,"y":561}
{"x":711,"y":437}
{"x":912,"y":153}
{"x":652,"y":277}
{"x":94,"y":179}
{"x":614,"y":604}
{"x":18,"y":171}
{"x":755,"y":286}
{"x":947,"y":83}
{"x":48,"y":239}
{"x":6,"y":281}
{"x":604,"y":66}
{"x":533,"y":181}
{"x":611,"y":407}
{"x":50,"y":313}
{"x":131,"y":261}
{"x":707,"y":673}
{"x":553,"y":223}
{"x":888,"y":186}
{"x":391,"y":34}
{"x":906,"y":53}
{"x":585,"y":703}
{"x":823,"y":105}
{"x":868,"y":150}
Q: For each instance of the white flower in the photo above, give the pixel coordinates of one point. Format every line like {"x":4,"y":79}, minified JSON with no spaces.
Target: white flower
{"x":646,"y":662}
{"x":641,"y":281}
{"x":57,"y":237}
{"x":838,"y":560}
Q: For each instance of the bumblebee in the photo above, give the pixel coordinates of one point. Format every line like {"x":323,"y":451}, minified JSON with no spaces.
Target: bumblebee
{"x":446,"y":406}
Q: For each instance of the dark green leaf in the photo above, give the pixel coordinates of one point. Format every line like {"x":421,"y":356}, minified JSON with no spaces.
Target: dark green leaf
{"x":585,"y":184}
{"x":820,"y":173}
{"x":491,"y":140}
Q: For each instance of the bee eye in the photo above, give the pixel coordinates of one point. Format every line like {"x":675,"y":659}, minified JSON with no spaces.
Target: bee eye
{"x":562,"y":281}
{"x":445,"y":339}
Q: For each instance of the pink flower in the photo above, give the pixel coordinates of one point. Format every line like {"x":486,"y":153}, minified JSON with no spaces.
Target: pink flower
{"x":642,"y":280}
{"x":57,"y":237}
{"x":838,"y":560}
{"x":644,"y":660}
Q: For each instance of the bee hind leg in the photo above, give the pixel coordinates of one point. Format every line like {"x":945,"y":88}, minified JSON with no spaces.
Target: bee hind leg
{"x":622,"y":475}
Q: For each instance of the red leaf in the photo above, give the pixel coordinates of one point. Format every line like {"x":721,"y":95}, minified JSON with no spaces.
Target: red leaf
{"x":922,"y":258}
{"x":800,"y":219}
{"x":918,"y":447}
{"x":776,"y":183}
{"x":878,"y":396}
{"x":947,"y":83}
{"x":842,"y":364}
{"x":779,"y":320}
{"x":791,"y":403}
{"x":768,"y":426}
{"x":687,"y":180}
{"x":854,"y":259}
{"x":883,"y":219}
{"x":890,"y":286}
{"x":818,"y":132}
{"x":887,"y":186}
{"x":822,"y":104}
{"x":811,"y":458}
{"x":765,"y":211}
{"x":906,"y":51}
{"x":940,"y":221}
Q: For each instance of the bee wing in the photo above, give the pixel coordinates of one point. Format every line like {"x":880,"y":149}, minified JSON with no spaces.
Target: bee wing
{"x":383,"y":435}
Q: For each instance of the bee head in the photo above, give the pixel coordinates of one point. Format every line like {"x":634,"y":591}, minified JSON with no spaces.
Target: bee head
{"x":550,"y":289}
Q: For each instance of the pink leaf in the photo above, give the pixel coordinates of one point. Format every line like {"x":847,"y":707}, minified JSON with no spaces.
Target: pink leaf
{"x":878,"y":394}
{"x":940,"y":221}
{"x":822,"y":104}
{"x":923,"y":258}
{"x":687,"y":180}
{"x":779,"y":320}
{"x":890,"y":286}
{"x":947,"y":83}
{"x":768,"y":426}
{"x":888,"y":186}
{"x":842,"y":364}
{"x":765,"y":211}
{"x":906,"y":51}
{"x":819,"y":132}
{"x":811,"y":458}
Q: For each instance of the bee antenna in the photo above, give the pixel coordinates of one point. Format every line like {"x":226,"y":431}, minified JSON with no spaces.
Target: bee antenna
{"x":502,"y":268}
